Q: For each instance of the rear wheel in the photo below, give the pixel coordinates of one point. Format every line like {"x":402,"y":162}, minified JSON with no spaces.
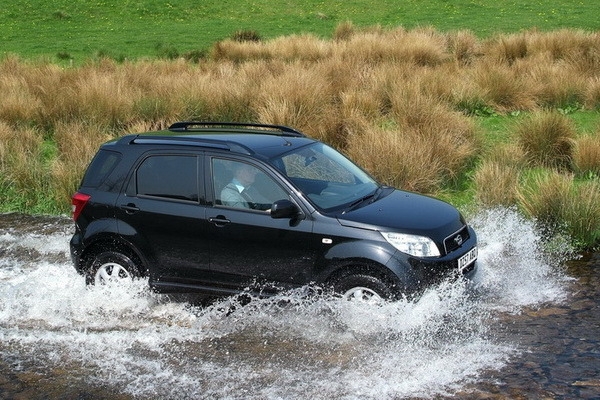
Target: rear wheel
{"x":111,"y":267}
{"x":363,"y":287}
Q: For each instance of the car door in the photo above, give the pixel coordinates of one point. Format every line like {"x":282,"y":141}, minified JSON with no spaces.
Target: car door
{"x":247,"y":246}
{"x":163,"y":212}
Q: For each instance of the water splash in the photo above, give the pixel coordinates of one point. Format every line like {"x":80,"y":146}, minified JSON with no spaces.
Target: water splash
{"x":289,"y":346}
{"x":515,"y":268}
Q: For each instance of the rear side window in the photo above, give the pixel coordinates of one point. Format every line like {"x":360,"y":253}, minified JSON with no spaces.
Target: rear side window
{"x":100,"y":168}
{"x":173,"y":177}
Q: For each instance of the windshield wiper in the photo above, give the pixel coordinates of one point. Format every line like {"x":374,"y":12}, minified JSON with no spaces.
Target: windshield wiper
{"x":377,"y":193}
{"x":371,"y":196}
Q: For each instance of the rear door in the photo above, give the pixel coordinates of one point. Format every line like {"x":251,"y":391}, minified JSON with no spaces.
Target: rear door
{"x":163,"y":212}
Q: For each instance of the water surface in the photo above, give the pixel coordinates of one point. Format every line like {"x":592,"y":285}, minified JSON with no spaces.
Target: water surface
{"x":525,"y":327}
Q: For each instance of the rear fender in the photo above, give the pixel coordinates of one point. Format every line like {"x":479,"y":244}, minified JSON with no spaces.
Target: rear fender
{"x":97,"y":228}
{"x":104,"y":234}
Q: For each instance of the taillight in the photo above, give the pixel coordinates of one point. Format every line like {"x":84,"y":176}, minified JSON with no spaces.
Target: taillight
{"x":79,"y":200}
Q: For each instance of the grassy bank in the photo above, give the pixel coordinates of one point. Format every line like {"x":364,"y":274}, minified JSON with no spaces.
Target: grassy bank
{"x":66,"y":30}
{"x":510,"y":120}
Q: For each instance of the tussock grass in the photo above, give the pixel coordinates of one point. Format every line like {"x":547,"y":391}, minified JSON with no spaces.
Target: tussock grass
{"x":297,"y":97}
{"x":582,"y":213}
{"x":545,"y":197}
{"x":496,"y":184}
{"x":507,"y":49}
{"x":547,"y":138}
{"x":401,"y":102}
{"x":401,"y":158}
{"x":561,"y":203}
{"x":557,"y":85}
{"x":503,"y":88}
{"x":17,"y":102}
{"x":344,"y":31}
{"x":592,"y":94}
{"x":24,"y":177}
{"x":586,"y":158}
{"x":463,"y":46}
{"x":497,"y":178}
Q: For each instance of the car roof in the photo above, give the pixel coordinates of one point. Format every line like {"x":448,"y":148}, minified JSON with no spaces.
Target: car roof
{"x":251,"y":139}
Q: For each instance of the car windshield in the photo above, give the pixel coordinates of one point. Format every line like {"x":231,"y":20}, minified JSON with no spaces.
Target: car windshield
{"x":330,"y":180}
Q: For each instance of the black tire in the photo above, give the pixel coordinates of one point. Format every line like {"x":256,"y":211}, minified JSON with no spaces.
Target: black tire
{"x":363,"y":287}
{"x":111,"y":266}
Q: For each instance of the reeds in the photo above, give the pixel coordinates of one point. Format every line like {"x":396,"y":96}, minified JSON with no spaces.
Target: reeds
{"x":398,"y":101}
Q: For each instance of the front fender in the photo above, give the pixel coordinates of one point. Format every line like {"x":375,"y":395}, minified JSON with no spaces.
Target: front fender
{"x":357,"y":253}
{"x":371,"y":250}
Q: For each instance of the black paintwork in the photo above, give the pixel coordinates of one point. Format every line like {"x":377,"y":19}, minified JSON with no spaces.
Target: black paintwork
{"x":199,"y":246}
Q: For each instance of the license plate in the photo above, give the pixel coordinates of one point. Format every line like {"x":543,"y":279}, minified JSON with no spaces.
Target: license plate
{"x":467,"y":259}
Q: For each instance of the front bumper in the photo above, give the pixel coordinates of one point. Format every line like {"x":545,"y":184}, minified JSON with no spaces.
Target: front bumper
{"x":419,"y":273}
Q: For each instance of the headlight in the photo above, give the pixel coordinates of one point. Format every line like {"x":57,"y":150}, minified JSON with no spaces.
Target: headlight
{"x":418,"y":246}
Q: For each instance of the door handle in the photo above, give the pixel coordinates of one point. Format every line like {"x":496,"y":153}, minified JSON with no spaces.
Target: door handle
{"x":219,"y":220}
{"x":130,"y":208}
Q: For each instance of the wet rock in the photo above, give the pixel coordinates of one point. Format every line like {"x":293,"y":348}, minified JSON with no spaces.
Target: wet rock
{"x":546,"y":312}
{"x":593,"y":382}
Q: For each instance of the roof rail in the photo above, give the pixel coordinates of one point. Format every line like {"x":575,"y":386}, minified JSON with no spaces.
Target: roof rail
{"x":182,"y":141}
{"x":278,"y":129}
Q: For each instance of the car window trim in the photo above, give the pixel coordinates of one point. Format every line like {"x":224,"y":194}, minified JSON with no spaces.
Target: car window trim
{"x":266,"y":168}
{"x":131,"y":180}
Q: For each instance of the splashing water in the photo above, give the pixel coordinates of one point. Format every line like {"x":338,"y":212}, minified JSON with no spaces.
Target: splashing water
{"x":291,"y":346}
{"x":515,"y":271}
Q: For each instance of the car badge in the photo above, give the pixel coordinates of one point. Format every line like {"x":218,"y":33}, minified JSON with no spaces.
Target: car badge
{"x":458,"y":240}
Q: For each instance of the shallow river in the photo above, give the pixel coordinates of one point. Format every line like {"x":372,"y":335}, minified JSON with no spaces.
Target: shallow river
{"x":526,"y":327}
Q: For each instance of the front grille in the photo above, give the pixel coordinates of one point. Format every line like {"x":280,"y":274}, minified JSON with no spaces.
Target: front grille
{"x":455,"y":240}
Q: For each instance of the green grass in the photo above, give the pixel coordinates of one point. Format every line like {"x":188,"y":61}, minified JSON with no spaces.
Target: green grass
{"x":78,"y":30}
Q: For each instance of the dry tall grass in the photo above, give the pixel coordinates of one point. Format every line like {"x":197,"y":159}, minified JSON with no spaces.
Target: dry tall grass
{"x":396,"y":100}
{"x":548,"y":139}
{"x":560,"y":202}
{"x":586,"y":159}
{"x":496,"y":178}
{"x":402,"y":158}
{"x":76,"y":143}
{"x":25,"y":176}
{"x":496,"y":184}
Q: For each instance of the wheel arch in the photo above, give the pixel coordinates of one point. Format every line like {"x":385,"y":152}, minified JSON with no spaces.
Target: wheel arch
{"x":362,"y":266}
{"x":365,"y":256}
{"x":112,"y":242}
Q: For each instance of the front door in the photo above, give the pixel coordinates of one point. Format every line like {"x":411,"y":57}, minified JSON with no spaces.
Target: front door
{"x":248,"y":247}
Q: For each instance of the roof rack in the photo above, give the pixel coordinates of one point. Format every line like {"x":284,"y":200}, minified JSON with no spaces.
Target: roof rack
{"x":265,"y":128}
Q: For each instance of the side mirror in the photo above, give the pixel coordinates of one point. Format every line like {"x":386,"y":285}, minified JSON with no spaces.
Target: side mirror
{"x":284,"y":209}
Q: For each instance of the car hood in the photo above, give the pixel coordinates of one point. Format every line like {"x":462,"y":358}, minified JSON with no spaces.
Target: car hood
{"x":407,"y":212}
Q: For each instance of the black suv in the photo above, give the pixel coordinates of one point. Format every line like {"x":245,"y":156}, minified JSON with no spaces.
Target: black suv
{"x":225,"y":208}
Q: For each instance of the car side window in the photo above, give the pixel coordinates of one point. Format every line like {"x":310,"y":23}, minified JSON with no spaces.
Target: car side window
{"x":100,"y":168}
{"x":168,"y":176}
{"x":241,"y":185}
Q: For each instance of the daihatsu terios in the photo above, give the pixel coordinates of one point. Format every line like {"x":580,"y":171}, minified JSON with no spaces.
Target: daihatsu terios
{"x":225,"y":208}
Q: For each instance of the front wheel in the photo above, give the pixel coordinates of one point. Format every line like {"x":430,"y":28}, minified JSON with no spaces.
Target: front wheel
{"x":363,"y":287}
{"x":111,"y":267}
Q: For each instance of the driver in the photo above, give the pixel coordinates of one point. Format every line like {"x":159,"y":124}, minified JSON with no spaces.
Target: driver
{"x":240,"y":193}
